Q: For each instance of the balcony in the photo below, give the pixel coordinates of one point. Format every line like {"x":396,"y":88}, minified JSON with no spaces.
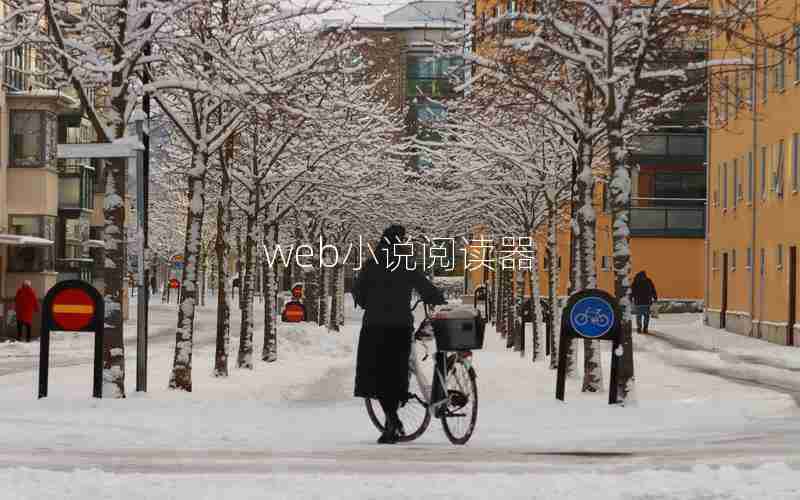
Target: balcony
{"x":668,"y":217}
{"x":667,"y":146}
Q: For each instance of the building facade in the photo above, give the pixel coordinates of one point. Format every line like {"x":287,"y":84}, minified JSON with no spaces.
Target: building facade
{"x":51,"y":216}
{"x":754,"y":153}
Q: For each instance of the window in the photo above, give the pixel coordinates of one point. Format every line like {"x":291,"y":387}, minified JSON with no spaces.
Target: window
{"x":751,"y":87}
{"x":725,"y":185}
{"x":780,"y":67}
{"x":31,"y":259}
{"x":779,"y":257}
{"x":763,"y":172}
{"x":718,"y":192}
{"x":733,"y":259}
{"x":605,"y":263}
{"x":763,"y":262}
{"x":735,"y":182}
{"x":714,"y":260}
{"x":750,"y":176}
{"x":737,"y":93}
{"x":680,"y":185}
{"x":778,"y":176}
{"x":749,"y":263}
{"x":795,"y":161}
{"x":723,"y":113}
{"x":27,"y":134}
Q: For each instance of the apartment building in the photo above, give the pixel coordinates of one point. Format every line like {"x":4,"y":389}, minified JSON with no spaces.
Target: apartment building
{"x":49,"y":228}
{"x":754,"y":180}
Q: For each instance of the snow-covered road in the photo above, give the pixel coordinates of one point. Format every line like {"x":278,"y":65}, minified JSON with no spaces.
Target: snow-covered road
{"x":293,"y":429}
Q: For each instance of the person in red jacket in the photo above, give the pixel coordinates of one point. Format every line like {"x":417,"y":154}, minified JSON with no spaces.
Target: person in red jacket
{"x":26,"y":304}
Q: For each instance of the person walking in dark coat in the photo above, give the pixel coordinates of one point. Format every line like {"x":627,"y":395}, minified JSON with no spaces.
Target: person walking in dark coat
{"x":644,"y":295}
{"x":383,"y":290}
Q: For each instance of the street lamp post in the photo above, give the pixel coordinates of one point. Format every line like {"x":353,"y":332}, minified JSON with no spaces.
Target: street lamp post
{"x":142,"y":285}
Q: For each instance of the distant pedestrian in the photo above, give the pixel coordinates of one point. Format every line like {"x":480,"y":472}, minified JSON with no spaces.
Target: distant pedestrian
{"x":25,"y":304}
{"x":154,"y":284}
{"x":644,"y":295}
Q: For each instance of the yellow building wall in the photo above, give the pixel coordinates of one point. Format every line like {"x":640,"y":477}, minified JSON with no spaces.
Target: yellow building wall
{"x":758,"y":295}
{"x":676,"y":265}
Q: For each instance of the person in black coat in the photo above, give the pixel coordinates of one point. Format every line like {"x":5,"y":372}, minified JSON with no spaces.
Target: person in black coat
{"x":644,"y":294}
{"x":383,"y":290}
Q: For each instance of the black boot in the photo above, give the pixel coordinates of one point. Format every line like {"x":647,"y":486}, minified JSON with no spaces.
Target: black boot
{"x":392,"y":431}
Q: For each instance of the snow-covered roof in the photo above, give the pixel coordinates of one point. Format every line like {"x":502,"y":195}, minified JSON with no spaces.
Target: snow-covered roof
{"x":335,"y":23}
{"x":426,"y":13}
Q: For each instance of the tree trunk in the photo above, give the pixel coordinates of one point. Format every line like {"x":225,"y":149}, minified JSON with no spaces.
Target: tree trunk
{"x":115,"y":264}
{"x":312,"y":294}
{"x":509,"y":308}
{"x":620,"y":190}
{"x":269,"y":352}
{"x":181,"y":376}
{"x":324,"y":277}
{"x":245,"y":356}
{"x":536,"y":312}
{"x":340,"y":292}
{"x":337,"y":297}
{"x":587,"y":220}
{"x":552,"y":279}
{"x":222,"y":351}
{"x":519,"y":302}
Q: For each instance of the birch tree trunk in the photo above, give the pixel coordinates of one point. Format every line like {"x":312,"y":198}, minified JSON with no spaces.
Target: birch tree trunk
{"x":245,"y":356}
{"x":222,"y":351}
{"x":269,"y":352}
{"x":114,"y":266}
{"x":181,"y":376}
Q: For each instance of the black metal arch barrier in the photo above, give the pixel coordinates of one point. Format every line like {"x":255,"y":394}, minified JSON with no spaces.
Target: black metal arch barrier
{"x":96,"y":324}
{"x":590,"y":319}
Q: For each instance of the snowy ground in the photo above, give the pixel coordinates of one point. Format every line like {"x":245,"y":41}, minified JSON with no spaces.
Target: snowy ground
{"x":292,"y":430}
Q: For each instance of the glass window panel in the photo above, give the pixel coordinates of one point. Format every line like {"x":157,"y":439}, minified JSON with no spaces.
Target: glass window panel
{"x":26,"y":135}
{"x":69,"y":191}
{"x":650,"y":144}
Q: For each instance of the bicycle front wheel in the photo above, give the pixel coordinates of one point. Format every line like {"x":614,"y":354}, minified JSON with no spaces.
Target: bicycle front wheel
{"x":461,"y":413}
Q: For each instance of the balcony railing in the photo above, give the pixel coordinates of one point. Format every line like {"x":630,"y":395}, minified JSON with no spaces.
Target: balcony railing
{"x":671,"y":217}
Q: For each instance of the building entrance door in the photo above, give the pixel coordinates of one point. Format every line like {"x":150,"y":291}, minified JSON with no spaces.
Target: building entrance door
{"x":723,"y":313}
{"x":792,"y":295}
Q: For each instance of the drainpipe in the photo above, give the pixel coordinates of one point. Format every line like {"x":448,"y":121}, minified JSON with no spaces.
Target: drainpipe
{"x":753,"y":269}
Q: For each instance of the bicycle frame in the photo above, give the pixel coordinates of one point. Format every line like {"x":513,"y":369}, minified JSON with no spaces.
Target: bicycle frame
{"x":416,"y":370}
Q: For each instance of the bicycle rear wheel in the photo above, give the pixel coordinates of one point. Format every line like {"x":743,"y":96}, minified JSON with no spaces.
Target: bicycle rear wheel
{"x":461,"y":412}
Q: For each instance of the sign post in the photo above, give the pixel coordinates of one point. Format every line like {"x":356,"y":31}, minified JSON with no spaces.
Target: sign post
{"x":72,"y":306}
{"x":591,"y":314}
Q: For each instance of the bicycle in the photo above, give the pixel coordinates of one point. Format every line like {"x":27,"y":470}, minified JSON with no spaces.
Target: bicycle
{"x":457,"y":408}
{"x":593,"y":316}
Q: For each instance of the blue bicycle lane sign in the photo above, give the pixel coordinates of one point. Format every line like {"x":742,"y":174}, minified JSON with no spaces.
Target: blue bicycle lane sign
{"x":592,"y":317}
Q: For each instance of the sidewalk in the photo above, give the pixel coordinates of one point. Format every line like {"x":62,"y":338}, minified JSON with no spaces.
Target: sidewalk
{"x":698,"y":347}
{"x":688,"y":331}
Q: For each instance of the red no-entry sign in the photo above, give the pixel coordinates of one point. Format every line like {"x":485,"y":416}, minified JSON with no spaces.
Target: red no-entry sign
{"x":72,"y":306}
{"x":73,"y":309}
